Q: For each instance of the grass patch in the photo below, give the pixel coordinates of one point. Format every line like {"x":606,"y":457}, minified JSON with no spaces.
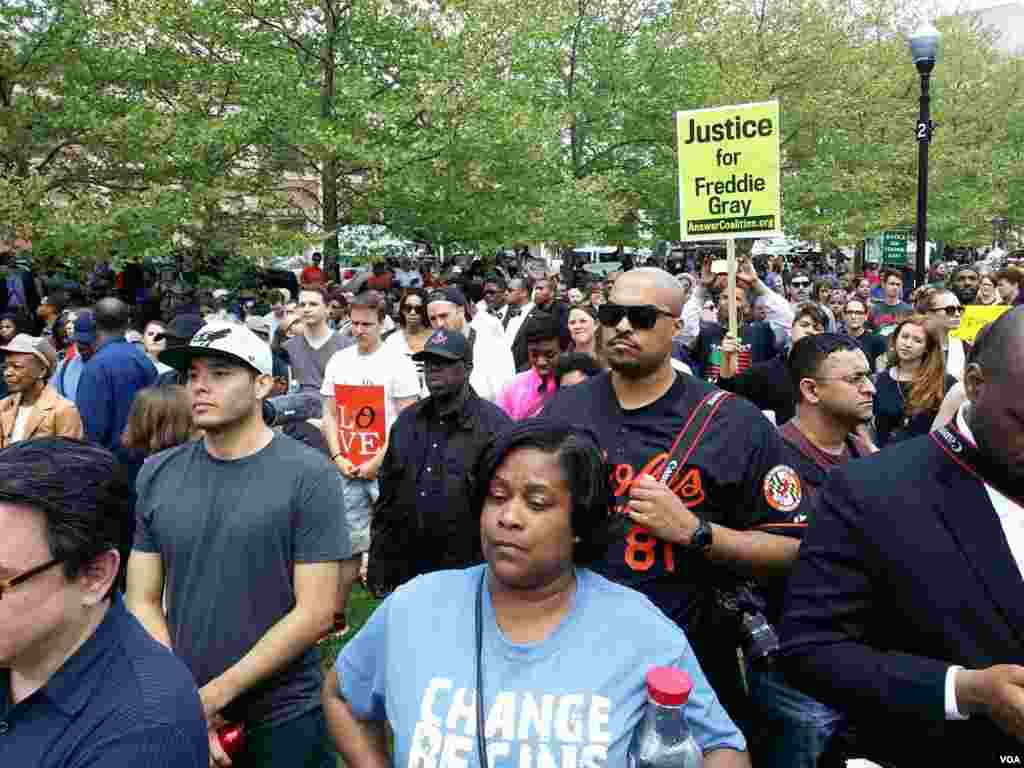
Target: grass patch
{"x":361,"y":604}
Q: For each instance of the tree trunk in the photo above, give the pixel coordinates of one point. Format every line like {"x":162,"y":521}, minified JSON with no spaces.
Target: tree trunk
{"x":329,"y":167}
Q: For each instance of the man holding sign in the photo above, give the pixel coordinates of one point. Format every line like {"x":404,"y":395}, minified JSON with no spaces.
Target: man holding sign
{"x":365,"y":388}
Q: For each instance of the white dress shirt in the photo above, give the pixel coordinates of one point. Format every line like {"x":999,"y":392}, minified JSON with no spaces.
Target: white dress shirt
{"x":516,"y":322}
{"x":1011,"y":518}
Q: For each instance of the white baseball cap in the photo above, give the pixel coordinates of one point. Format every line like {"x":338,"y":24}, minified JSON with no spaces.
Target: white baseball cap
{"x":222,"y":339}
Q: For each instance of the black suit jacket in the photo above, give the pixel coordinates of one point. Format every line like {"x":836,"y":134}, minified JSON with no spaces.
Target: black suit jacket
{"x":519,"y":354}
{"x":904,"y":570}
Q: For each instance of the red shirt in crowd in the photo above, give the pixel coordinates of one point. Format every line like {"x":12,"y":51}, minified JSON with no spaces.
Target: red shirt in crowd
{"x":311,"y":275}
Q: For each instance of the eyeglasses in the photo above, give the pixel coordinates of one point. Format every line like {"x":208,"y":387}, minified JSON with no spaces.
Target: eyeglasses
{"x":416,"y":308}
{"x":954,"y":311}
{"x":858,"y":380}
{"x":21,"y":578}
{"x":642,"y":317}
{"x":801,"y":283}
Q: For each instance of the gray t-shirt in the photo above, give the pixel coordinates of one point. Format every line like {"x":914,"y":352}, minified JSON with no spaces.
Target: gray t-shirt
{"x":309,"y":364}
{"x":229,"y":534}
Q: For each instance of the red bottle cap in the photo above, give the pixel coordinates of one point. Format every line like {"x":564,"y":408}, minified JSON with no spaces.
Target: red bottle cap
{"x":232,"y":739}
{"x":668,"y":686}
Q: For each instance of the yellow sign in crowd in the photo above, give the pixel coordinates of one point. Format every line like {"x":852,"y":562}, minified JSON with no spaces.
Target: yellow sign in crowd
{"x":729,"y":172}
{"x":975,"y":318}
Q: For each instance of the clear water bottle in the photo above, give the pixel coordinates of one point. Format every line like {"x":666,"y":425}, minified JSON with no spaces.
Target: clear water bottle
{"x":662,"y":739}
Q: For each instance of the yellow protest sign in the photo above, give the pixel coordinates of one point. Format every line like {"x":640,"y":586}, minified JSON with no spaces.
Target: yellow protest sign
{"x":729,"y":172}
{"x":976,"y":317}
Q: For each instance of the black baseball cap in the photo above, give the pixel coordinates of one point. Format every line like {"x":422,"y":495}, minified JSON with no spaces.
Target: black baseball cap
{"x":182,"y":327}
{"x":450,"y":345}
{"x":451,"y":294}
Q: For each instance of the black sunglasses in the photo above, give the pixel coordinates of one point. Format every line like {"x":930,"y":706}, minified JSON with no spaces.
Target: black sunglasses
{"x":642,"y":317}
{"x":21,"y":578}
{"x":950,"y":311}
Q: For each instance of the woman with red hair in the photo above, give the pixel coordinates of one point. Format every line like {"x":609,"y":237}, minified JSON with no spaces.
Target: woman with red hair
{"x":910,"y":390}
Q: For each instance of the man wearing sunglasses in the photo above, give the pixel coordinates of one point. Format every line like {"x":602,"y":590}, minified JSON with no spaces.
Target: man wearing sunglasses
{"x":495,"y":298}
{"x":83,"y":683}
{"x":676,"y":544}
{"x":800,"y":288}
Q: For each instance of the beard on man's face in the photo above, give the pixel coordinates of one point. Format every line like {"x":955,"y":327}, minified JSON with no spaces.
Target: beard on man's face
{"x":634,"y":364}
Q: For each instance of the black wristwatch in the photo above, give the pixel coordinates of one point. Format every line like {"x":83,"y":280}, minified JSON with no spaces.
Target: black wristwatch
{"x":700,"y":542}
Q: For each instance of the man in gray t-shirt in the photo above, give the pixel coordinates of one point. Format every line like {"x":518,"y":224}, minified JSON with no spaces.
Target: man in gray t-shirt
{"x":310,"y":352}
{"x":244,"y":529}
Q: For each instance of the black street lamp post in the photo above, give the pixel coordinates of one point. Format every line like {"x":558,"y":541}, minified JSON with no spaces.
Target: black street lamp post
{"x":924,"y":47}
{"x":999,"y":225}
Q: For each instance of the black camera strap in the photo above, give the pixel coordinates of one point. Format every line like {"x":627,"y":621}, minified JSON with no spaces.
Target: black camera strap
{"x":481,"y":742}
{"x":690,"y":435}
{"x":967,"y":457}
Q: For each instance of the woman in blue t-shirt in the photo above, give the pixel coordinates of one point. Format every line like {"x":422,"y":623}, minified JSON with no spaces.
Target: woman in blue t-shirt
{"x":559,"y":652}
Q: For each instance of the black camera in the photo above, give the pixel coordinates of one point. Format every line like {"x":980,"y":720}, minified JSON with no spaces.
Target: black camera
{"x":745,"y":606}
{"x":289,"y":409}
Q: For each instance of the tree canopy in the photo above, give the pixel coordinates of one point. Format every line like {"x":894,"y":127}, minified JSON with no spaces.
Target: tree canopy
{"x":257,"y":127}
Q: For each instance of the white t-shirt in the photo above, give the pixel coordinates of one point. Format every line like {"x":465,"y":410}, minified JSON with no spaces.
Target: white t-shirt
{"x":386,"y":368}
{"x":19,"y":423}
{"x":396,"y":342}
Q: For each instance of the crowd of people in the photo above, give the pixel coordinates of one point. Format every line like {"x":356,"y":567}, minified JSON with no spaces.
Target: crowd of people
{"x":550,"y":488}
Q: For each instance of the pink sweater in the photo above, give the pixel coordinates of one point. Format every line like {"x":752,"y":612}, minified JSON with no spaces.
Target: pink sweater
{"x":523,"y":397}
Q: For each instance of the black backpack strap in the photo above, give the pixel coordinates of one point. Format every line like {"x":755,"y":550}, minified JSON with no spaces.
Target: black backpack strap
{"x":690,"y":435}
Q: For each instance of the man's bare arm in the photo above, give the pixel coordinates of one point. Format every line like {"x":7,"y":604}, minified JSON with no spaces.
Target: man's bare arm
{"x":726,"y":758}
{"x":145,"y":594}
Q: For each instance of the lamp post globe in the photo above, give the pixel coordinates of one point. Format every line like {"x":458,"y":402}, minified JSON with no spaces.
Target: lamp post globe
{"x":924,"y":44}
{"x":924,"y":50}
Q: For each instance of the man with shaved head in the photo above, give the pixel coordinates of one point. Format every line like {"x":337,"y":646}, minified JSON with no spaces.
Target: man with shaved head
{"x":111,"y":377}
{"x":905,"y":610}
{"x":688,"y":517}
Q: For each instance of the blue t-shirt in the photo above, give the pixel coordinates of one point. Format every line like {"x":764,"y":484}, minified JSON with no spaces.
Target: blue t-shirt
{"x":572,"y":699}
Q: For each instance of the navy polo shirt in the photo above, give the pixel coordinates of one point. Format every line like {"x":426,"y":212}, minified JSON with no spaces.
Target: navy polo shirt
{"x":121,"y":700}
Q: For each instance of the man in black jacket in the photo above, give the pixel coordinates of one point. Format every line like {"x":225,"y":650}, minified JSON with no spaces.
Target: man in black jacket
{"x":904,"y":609}
{"x":422,"y":521}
